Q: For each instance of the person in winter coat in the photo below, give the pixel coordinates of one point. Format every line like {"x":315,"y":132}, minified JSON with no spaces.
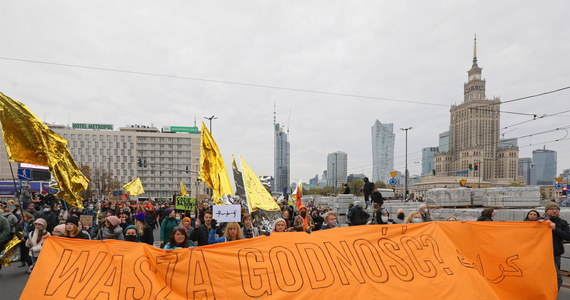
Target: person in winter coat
{"x":377,"y":197}
{"x":36,"y":240}
{"x":5,"y":233}
{"x":50,"y":217}
{"x":167,"y":226}
{"x":356,"y":215}
{"x":111,"y":230}
{"x":72,"y":229}
{"x":367,"y":189}
{"x":560,"y":232}
{"x":424,"y":211}
{"x":23,"y":230}
{"x":145,"y":230}
{"x":303,"y":222}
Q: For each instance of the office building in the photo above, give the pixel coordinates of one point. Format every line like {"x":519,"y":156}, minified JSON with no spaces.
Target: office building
{"x":383,"y":140}
{"x":337,"y":167}
{"x":428,"y":154}
{"x":281,"y":163}
{"x":444,"y":142}
{"x":526,"y":170}
{"x":545,"y":165}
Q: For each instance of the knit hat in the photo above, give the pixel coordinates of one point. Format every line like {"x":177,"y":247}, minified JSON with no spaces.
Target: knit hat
{"x":42,"y":222}
{"x":167,"y":211}
{"x":72,"y":219}
{"x":113,"y":220}
{"x":187,"y":219}
{"x":551,"y":205}
{"x":59,"y":230}
{"x":279,"y":220}
{"x":302,"y":207}
{"x":139,"y":217}
{"x":132,"y":227}
{"x":356,"y":203}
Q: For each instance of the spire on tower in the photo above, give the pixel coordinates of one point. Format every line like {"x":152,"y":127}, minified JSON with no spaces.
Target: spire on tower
{"x":475,"y":51}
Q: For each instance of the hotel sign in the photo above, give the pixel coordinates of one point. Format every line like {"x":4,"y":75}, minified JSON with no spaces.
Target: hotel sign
{"x":92,"y":126}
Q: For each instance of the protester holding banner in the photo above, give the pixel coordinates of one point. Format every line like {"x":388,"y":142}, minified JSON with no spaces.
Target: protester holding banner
{"x":167,"y":226}
{"x":178,"y":240}
{"x":249,"y":231}
{"x":560,"y":232}
{"x":232,"y":233}
{"x":111,"y":229}
{"x":72,"y":229}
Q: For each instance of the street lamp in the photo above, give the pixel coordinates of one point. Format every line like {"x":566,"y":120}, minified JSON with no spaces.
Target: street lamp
{"x":406,"y":175}
{"x":211,"y":118}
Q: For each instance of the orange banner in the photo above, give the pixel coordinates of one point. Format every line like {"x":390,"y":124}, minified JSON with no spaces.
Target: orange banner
{"x":437,"y":260}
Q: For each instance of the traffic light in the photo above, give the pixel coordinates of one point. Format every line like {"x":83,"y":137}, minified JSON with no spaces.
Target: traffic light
{"x":433,"y":172}
{"x":564,"y":190}
{"x":476,"y":167}
{"x":470,"y":167}
{"x":139,"y":162}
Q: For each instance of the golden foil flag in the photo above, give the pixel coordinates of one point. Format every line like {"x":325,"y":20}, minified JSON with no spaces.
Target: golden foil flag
{"x":134,"y":187}
{"x":212,"y":167}
{"x":29,"y":140}
{"x":183,"y":191}
{"x":257,"y":196}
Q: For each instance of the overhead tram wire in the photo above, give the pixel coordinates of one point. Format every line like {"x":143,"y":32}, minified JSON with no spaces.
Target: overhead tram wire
{"x":224,"y":82}
{"x":261,"y":85}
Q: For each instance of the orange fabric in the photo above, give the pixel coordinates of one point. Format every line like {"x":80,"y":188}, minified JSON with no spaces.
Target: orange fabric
{"x":305,"y":222}
{"x":436,"y":260}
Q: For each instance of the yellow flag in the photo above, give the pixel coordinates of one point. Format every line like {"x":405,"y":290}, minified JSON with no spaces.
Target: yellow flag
{"x":29,"y":140}
{"x":183,"y":191}
{"x":134,"y":187}
{"x":257,"y":196}
{"x":212,"y":167}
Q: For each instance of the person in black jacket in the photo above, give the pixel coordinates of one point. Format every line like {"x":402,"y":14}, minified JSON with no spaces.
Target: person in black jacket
{"x":377,"y":197}
{"x":356,"y":215}
{"x":202,"y":233}
{"x":367,"y":189}
{"x":560,"y":232}
{"x":50,"y":217}
{"x":487,"y":214}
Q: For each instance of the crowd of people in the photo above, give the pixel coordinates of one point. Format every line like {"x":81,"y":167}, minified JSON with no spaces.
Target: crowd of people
{"x":33,"y":221}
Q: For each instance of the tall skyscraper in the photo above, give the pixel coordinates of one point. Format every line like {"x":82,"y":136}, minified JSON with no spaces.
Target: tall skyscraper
{"x":337,"y":167}
{"x":444,"y":142}
{"x":545,"y":165}
{"x":427,"y":160}
{"x":383,"y":139}
{"x":474,"y":136}
{"x":525,"y":170}
{"x":281,"y":163}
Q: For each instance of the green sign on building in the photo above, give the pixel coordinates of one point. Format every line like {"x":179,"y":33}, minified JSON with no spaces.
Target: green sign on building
{"x":92,"y":126}
{"x":181,"y":129}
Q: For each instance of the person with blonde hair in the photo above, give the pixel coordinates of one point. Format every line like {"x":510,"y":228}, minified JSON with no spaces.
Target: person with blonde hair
{"x":232,"y":233}
{"x":414,"y":217}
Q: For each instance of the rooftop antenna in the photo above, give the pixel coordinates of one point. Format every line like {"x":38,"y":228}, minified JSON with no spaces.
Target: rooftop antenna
{"x":288,"y":121}
{"x":274,"y":113}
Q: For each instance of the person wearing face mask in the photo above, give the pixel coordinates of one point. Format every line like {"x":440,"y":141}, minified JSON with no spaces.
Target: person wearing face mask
{"x":400,"y":216}
{"x":414,"y":217}
{"x":50,"y":217}
{"x":36,"y":240}
{"x":90,"y":211}
{"x":382,"y":217}
{"x":424,"y":212}
{"x":330,"y":220}
{"x":131,"y":234}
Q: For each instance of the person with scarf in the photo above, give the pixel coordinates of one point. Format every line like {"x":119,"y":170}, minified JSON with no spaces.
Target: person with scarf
{"x":303,"y":222}
{"x":36,"y":240}
{"x":131,"y":234}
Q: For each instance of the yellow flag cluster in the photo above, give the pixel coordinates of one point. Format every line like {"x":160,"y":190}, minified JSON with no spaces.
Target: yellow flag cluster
{"x":29,"y":140}
{"x":257,"y":196}
{"x":212,"y":167}
{"x":134,"y":187}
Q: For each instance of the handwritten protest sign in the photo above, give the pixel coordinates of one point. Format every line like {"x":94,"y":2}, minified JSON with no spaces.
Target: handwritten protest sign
{"x":227,"y":213}
{"x":86,"y":220}
{"x":436,"y":260}
{"x":185,"y":203}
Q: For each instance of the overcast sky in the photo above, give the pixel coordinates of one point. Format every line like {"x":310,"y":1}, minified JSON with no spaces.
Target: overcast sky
{"x":408,"y":50}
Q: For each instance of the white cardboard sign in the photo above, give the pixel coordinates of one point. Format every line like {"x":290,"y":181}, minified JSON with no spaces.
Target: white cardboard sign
{"x":227,"y":213}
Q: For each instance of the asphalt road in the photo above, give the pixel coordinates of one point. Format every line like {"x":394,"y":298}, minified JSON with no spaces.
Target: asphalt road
{"x":13,"y":280}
